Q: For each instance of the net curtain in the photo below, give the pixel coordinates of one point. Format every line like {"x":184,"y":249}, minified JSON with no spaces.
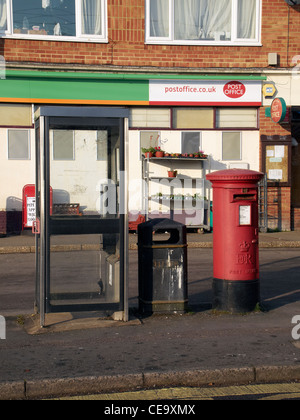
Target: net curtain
{"x":3,"y":15}
{"x":91,"y":17}
{"x":202,"y":19}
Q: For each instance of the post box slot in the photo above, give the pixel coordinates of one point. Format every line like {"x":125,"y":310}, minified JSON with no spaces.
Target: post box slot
{"x":238,"y":197}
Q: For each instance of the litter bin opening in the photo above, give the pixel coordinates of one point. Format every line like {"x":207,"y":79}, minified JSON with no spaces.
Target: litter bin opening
{"x":174,"y":233}
{"x":170,"y":237}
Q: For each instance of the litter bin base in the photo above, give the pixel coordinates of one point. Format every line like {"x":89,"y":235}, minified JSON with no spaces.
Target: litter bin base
{"x":236,"y":296}
{"x":162,"y":307}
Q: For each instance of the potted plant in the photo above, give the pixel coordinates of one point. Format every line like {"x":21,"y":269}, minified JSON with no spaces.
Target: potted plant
{"x":172,"y":174}
{"x":148,"y":152}
{"x":159,"y":153}
{"x":202,"y":155}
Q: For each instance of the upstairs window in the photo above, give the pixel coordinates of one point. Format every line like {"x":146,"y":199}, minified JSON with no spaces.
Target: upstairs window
{"x":54,"y":19}
{"x":203,"y":22}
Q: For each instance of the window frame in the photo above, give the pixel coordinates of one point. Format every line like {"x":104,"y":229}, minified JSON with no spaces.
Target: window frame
{"x":161,"y":127}
{"x":79,"y":37}
{"x":235,"y":41}
{"x":196,"y":128}
{"x":28,"y":144}
{"x":98,"y":159}
{"x":54,"y":159}
{"x":241,"y":145}
{"x":191,"y":132}
{"x":218,"y":126}
{"x":214,"y":128}
{"x":5,"y":31}
{"x":158,"y":140}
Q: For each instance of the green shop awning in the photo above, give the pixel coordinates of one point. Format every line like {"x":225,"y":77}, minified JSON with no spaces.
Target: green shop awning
{"x":59,"y":87}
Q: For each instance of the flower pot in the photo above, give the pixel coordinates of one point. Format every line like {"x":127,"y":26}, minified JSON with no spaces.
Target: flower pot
{"x":159,"y":154}
{"x":172,"y":174}
{"x":148,"y":154}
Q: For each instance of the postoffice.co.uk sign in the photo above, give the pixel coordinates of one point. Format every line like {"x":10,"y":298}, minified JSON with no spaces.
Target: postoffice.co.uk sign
{"x":205,"y":92}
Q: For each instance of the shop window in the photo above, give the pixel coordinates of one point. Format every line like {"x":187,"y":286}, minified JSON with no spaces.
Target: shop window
{"x":149,"y":118}
{"x":227,"y":22}
{"x":189,"y":118}
{"x":63,"y":145}
{"x":190,"y":142}
{"x":19,"y":144}
{"x":231,"y":146}
{"x":60,"y":19}
{"x":236,"y":118}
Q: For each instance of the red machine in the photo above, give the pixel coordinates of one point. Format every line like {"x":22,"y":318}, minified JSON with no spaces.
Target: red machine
{"x":236,"y":285}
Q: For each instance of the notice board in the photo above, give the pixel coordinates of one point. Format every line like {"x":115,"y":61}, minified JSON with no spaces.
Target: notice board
{"x":277,"y":161}
{"x":276,"y":155}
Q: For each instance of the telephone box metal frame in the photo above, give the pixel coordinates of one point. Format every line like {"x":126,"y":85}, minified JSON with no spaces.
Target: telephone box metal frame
{"x":45,"y":116}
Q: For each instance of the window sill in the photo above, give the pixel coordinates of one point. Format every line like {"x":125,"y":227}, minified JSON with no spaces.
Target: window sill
{"x":206,"y":43}
{"x":32,"y":37}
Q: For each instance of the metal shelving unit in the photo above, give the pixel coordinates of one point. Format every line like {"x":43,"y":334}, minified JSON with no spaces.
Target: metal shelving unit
{"x":181,"y":207}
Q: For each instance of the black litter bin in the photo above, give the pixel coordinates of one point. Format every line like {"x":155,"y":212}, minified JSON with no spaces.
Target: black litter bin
{"x":162,"y":267}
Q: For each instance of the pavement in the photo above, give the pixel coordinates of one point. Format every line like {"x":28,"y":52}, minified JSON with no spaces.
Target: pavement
{"x":90,"y":354}
{"x":25,"y":243}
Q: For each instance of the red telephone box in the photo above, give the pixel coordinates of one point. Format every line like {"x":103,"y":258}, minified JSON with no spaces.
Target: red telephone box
{"x":236,"y":286}
{"x":29,"y":212}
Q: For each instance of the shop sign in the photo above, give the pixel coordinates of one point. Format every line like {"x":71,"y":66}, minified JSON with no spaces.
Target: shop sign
{"x":234,"y":90}
{"x":278,"y":110}
{"x":269,"y":90}
{"x":205,"y":92}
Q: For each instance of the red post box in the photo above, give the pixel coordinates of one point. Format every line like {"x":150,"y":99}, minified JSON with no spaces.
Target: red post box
{"x":236,"y":285}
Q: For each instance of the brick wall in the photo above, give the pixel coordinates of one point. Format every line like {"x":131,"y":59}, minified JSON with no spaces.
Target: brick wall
{"x":296,"y":218}
{"x":269,"y":128}
{"x":126,"y":47}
